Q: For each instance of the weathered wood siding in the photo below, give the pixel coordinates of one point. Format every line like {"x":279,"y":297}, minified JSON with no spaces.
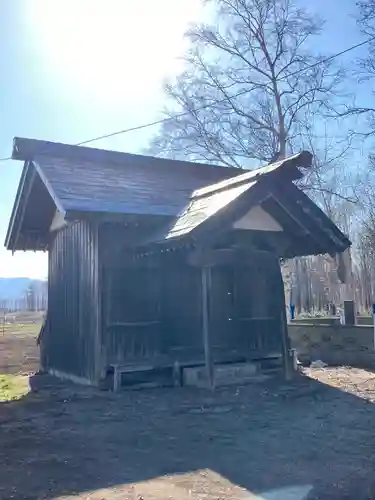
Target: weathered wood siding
{"x":131,"y":313}
{"x":130,"y":320}
{"x":182,"y":309}
{"x":149,"y":310}
{"x":152,"y":312}
{"x":72,"y":342}
{"x":246,"y":305}
{"x":152,"y":307}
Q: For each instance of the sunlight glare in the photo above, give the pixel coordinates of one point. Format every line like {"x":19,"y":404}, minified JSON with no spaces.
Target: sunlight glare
{"x":204,"y":483}
{"x":114,"y":47}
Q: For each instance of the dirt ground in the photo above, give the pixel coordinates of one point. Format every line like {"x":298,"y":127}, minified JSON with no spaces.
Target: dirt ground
{"x":312,"y":439}
{"x":18,"y":351}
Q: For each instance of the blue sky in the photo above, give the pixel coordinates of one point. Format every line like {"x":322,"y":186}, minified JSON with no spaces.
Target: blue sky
{"x":76,"y":69}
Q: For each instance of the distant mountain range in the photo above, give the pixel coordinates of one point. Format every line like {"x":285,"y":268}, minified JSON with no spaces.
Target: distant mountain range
{"x":15,"y":288}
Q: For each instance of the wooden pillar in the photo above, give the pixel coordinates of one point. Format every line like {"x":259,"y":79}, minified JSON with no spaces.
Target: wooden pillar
{"x":206,"y":289}
{"x":288,"y":354}
{"x":283,"y":325}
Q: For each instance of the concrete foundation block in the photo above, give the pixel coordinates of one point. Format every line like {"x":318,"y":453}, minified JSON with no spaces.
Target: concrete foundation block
{"x":236,"y":373}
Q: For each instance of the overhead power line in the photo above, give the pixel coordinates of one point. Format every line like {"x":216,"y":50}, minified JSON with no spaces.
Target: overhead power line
{"x":238,"y":94}
{"x":209,"y":105}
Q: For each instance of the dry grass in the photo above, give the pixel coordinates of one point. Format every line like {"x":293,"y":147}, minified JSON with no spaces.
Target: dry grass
{"x":18,"y":357}
{"x":13,"y":387}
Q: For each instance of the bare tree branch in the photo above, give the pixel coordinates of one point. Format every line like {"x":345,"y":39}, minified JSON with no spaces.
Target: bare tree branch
{"x":256,"y":50}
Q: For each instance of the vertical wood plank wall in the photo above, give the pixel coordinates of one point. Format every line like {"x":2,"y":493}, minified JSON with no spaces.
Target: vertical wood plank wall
{"x":182,"y":309}
{"x":85,"y":335}
{"x":124,"y":340}
{"x":72,"y":343}
{"x":158,"y":304}
{"x":246,"y":303}
{"x":173,"y":328}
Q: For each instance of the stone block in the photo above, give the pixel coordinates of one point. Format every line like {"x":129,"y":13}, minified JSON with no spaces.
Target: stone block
{"x":349,"y":312}
{"x":236,"y":373}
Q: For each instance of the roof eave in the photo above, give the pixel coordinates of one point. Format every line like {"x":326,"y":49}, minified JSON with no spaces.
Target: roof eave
{"x":49,"y":188}
{"x":324,"y":236}
{"x":30,"y":170}
{"x":24,"y":185}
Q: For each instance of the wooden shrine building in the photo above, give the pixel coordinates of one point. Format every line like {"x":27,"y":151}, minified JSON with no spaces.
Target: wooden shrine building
{"x":161,"y":263}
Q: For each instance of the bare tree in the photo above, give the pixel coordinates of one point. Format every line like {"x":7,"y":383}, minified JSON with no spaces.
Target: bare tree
{"x":328,"y":181}
{"x":315,"y":283}
{"x":255,"y":78}
{"x":364,"y":71}
{"x":364,"y":237}
{"x":366,"y":22}
{"x":30,"y":296}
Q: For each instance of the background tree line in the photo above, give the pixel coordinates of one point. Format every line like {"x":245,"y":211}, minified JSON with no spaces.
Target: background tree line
{"x":33,"y":298}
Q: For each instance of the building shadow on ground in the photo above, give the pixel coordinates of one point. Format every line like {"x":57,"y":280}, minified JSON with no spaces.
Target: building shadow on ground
{"x":63,"y":440}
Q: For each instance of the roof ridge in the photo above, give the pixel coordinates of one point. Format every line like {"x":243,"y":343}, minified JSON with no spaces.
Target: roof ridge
{"x":29,"y":149}
{"x":302,"y":160}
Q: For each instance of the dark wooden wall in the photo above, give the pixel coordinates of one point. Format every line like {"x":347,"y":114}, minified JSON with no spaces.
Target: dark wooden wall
{"x":152,"y":312}
{"x":71,"y":343}
{"x":105,"y":307}
{"x":182,"y":308}
{"x":152,"y":306}
{"x":246,"y":306}
{"x":129,"y":297}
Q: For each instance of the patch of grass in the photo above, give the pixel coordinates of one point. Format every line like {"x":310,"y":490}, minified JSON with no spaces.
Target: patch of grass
{"x":13,"y":387}
{"x":19,"y":328}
